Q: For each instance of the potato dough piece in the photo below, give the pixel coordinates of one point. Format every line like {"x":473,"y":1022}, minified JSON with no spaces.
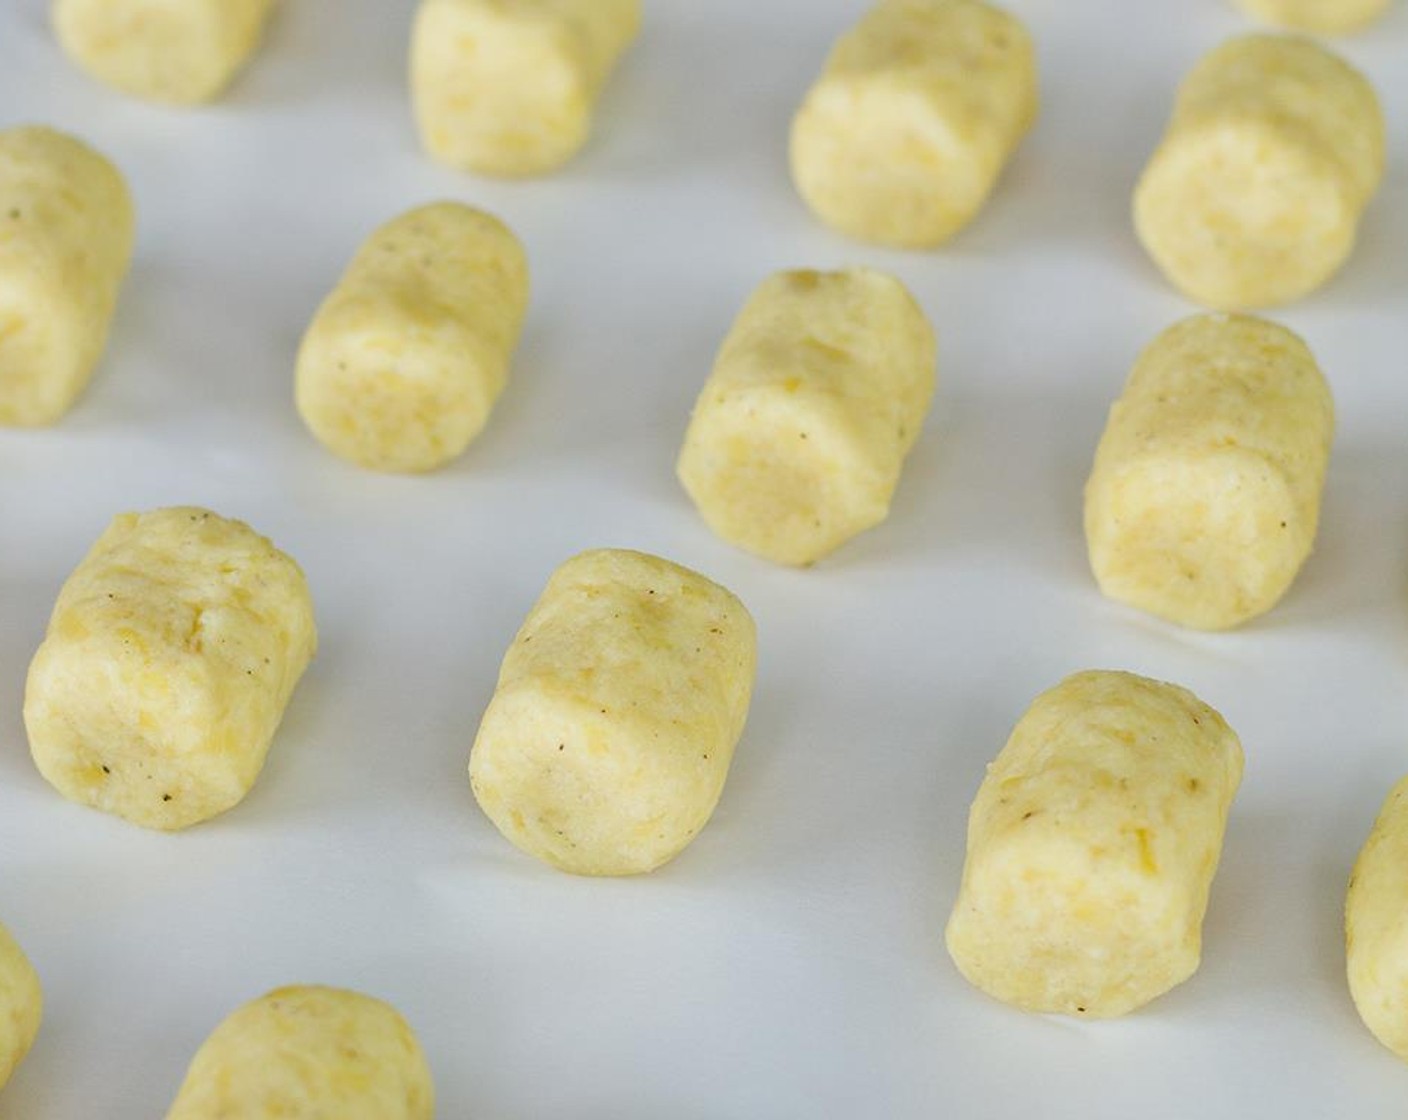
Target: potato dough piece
{"x":1322,"y":17}
{"x":177,"y":51}
{"x":170,"y":657}
{"x":508,"y":87}
{"x":66,"y":233}
{"x":917,"y":111}
{"x":1092,"y":846}
{"x":606,"y":745}
{"x":21,"y":1005}
{"x":817,"y":396}
{"x":404,"y":361}
{"x":1376,"y":926}
{"x":1205,"y":495}
{"x":1255,"y":194}
{"x":309,"y":1052}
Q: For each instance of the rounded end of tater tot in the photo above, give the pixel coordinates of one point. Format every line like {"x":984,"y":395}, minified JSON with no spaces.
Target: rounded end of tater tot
{"x":175,"y":54}
{"x":1242,"y":216}
{"x":883,"y":164}
{"x":777,"y":473}
{"x":21,"y":1005}
{"x":497,"y":91}
{"x":1207,"y":542}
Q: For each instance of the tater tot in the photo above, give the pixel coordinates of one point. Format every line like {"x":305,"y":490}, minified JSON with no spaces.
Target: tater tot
{"x":66,"y":232}
{"x":176,"y":51}
{"x":405,"y":359}
{"x":312,"y":1053}
{"x":21,"y":1005}
{"x":1376,"y":926}
{"x":1092,"y":846}
{"x":1205,"y":495}
{"x":916,"y":113}
{"x":171,"y":654}
{"x":606,"y":745}
{"x":1320,"y":17}
{"x":509,"y":87}
{"x":1254,"y":196}
{"x":817,"y":395}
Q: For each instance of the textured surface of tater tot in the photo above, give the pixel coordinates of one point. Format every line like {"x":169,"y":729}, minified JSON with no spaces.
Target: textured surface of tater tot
{"x":1376,"y":925}
{"x":21,"y":1005}
{"x":175,"y":51}
{"x":817,"y":395}
{"x":171,"y":654}
{"x":509,"y":87}
{"x":309,"y":1053}
{"x":1321,"y":17}
{"x":405,"y":360}
{"x":1254,"y":196}
{"x":66,"y":232}
{"x":914,"y":117}
{"x":605,"y":748}
{"x":1204,"y":500}
{"x":1092,"y":846}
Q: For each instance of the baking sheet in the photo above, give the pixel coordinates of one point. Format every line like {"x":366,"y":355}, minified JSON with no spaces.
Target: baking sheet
{"x":790,"y":963}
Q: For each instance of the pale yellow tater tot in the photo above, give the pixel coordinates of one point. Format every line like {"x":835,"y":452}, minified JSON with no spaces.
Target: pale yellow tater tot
{"x":175,"y":51}
{"x":309,"y":1053}
{"x":509,"y":87}
{"x":66,"y":232}
{"x":21,"y":1005}
{"x":606,"y":745}
{"x":916,"y":113}
{"x":405,"y":359}
{"x":171,"y":654}
{"x":1320,"y":17}
{"x":1254,"y":196}
{"x":817,"y":395}
{"x":1092,"y":846}
{"x":1376,"y":926}
{"x":1204,"y":500}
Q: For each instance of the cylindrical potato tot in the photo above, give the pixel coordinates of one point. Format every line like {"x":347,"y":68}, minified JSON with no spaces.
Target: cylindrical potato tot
{"x":170,"y":657}
{"x":916,"y":113}
{"x":1321,"y":17}
{"x":309,"y":1052}
{"x":405,"y":359}
{"x":21,"y":1005}
{"x":66,"y":233}
{"x":1092,"y":846}
{"x":1255,"y":194}
{"x":1376,"y":926}
{"x":817,"y":395}
{"x":508,"y":87}
{"x":1205,"y":495}
{"x":606,"y":745}
{"x":177,"y":51}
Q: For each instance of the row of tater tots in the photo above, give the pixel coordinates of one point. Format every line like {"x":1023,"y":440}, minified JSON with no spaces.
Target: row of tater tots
{"x":175,"y":646}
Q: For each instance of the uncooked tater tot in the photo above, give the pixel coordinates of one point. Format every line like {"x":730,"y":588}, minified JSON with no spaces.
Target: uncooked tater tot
{"x":176,"y":51}
{"x":171,"y":654}
{"x":312,"y":1053}
{"x":66,"y":233}
{"x":1322,"y":17}
{"x":606,"y":745}
{"x":1205,"y":495}
{"x":913,"y":119}
{"x":1376,"y":926}
{"x":1092,"y":846}
{"x":21,"y":1005}
{"x":1255,"y":194}
{"x":508,"y":87}
{"x":817,"y":396}
{"x":404,"y":361}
